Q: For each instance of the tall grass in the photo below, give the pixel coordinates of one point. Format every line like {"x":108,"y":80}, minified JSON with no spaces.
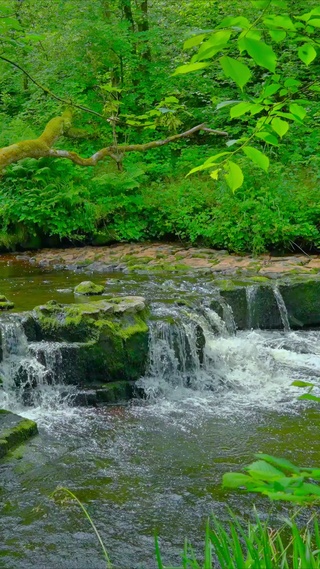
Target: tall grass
{"x":233,"y":546}
{"x":256,"y":547}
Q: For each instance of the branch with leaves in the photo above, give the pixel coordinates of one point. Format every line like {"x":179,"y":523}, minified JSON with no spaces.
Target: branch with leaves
{"x":282,"y":100}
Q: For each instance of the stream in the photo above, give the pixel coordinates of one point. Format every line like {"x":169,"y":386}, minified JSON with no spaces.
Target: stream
{"x":156,"y":464}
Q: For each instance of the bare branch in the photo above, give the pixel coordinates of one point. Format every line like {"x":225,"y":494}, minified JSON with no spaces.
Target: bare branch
{"x":67,"y":102}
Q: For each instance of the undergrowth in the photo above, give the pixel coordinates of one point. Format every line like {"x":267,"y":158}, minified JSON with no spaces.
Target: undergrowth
{"x":276,"y":211}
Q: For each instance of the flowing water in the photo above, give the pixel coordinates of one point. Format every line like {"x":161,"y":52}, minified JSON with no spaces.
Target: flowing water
{"x":213,"y":398}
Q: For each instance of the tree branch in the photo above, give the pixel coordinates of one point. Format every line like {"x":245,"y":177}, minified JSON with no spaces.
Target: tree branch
{"x":66,"y":102}
{"x":42,"y":147}
{"x":117,"y":152}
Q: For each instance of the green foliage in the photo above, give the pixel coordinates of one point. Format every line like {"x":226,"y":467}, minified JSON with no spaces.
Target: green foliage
{"x":277,"y":95}
{"x":278,"y":479}
{"x":307,"y":396}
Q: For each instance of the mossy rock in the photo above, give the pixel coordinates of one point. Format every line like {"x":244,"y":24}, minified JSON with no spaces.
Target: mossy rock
{"x":111,"y":334}
{"x":302,"y":300}
{"x":253,"y":306}
{"x":5,"y":304}
{"x":88,"y":288}
{"x":14,"y":430}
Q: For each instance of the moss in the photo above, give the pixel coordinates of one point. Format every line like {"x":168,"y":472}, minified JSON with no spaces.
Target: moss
{"x":257,"y":279}
{"x":113,"y":335}
{"x":5,"y":304}
{"x":17,"y":431}
{"x":88,"y":288}
{"x":302,"y":300}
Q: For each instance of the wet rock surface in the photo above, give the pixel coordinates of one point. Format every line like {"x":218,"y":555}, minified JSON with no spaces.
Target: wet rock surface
{"x":172,"y":257}
{"x":111,"y":336}
{"x":14,"y":430}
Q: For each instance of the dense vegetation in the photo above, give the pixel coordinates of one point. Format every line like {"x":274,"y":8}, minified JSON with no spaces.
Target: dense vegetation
{"x":113,"y":62}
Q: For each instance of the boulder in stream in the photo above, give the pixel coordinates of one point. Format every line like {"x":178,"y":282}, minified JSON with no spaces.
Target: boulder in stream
{"x":88,"y":288}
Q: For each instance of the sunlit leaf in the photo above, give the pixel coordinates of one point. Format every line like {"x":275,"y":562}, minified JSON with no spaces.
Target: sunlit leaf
{"x":193,"y":41}
{"x":277,"y":35}
{"x":261,"y":53}
{"x":215,"y":174}
{"x":234,"y":176}
{"x":299,"y":383}
{"x":240,"y":109}
{"x":307,"y":53}
{"x":235,"y":479}
{"x":279,"y":126}
{"x":257,"y":157}
{"x":268,"y":138}
{"x":297,"y":110}
{"x":189,"y":67}
{"x":237,"y":71}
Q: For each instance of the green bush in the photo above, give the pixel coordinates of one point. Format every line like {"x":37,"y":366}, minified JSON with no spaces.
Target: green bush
{"x":275,"y":211}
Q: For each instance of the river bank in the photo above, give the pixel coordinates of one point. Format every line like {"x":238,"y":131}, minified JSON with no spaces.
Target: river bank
{"x":168,"y":257}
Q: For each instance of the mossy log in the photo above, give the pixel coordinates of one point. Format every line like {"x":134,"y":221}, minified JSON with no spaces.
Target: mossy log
{"x":57,"y":127}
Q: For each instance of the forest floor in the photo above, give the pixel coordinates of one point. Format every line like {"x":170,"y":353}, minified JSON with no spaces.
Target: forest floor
{"x":171,"y":256}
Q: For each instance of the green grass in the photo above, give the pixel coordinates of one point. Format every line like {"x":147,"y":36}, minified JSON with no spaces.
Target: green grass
{"x":233,"y":546}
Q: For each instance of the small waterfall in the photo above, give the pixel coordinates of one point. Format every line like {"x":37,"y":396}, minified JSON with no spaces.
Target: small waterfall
{"x":282,"y":309}
{"x":30,"y":373}
{"x":178,"y":358}
{"x":251,"y":293}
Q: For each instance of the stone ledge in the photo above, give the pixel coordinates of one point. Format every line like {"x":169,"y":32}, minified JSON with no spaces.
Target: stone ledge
{"x":14,"y":430}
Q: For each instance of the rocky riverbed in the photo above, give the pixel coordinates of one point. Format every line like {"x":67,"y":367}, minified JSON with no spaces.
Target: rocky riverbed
{"x":171,"y":257}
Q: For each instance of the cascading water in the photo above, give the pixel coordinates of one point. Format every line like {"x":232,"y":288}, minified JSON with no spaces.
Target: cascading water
{"x":282,"y":309}
{"x":31,"y":373}
{"x":251,"y":293}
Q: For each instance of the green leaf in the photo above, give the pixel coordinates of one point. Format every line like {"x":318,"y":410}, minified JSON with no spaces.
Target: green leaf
{"x":235,"y":479}
{"x":234,"y":21}
{"x":279,"y":126}
{"x":257,"y":157}
{"x":271,"y":89}
{"x":297,"y":111}
{"x":264,"y":470}
{"x":309,"y":397}
{"x":234,"y":176}
{"x":190,"y":67}
{"x":237,"y":71}
{"x":268,"y":138}
{"x":225,"y":104}
{"x":298,"y":383}
{"x":281,"y":462}
{"x":216,"y":42}
{"x":277,"y":35}
{"x":307,"y":53}
{"x":215,"y":174}
{"x":261,"y":53}
{"x":193,"y":41}
{"x":315,"y":23}
{"x":283,"y":22}
{"x":240,"y":109}
{"x":214,"y":158}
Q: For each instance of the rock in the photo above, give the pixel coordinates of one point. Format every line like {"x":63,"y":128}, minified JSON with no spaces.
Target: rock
{"x":111,"y":336}
{"x":14,"y":430}
{"x":5,"y":304}
{"x":88,"y":288}
{"x":111,"y":394}
{"x":130,"y":304}
{"x":302,"y":300}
